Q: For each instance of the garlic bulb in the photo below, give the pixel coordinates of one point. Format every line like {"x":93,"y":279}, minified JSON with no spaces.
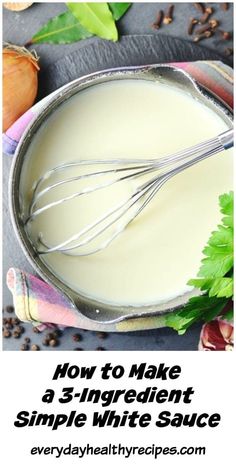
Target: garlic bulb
{"x":17,"y":6}
{"x":217,"y":335}
{"x":20,"y":82}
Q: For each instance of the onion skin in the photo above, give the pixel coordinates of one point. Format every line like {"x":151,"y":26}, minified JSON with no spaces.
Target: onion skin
{"x":17,"y":6}
{"x":20,"y":83}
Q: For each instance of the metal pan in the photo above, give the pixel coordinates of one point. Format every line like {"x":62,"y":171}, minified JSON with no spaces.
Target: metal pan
{"x":99,"y":312}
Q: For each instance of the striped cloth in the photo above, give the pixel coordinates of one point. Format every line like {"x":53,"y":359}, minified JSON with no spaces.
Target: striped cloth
{"x":36,"y":301}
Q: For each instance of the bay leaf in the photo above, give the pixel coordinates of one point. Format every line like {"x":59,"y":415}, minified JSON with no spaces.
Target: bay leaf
{"x":96,"y":18}
{"x":62,"y":29}
{"x":118,"y":9}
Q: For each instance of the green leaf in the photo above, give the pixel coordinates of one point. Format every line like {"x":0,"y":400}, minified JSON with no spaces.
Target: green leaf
{"x":219,"y":249}
{"x":215,"y":276}
{"x":217,"y":265}
{"x":96,"y":18}
{"x":118,"y":9}
{"x":197,"y":309}
{"x":219,"y":258}
{"x":62,"y":29}
{"x":227,"y":205}
{"x":219,"y":287}
{"x":203,"y":284}
{"x":222,"y":287}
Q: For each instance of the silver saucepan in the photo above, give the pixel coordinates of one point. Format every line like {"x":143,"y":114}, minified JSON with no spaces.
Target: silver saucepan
{"x":100,"y":313}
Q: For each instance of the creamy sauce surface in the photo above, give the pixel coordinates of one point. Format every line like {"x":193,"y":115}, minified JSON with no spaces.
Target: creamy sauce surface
{"x":152,"y":260}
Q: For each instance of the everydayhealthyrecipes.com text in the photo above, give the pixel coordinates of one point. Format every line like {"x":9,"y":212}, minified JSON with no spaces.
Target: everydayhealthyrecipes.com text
{"x":110,"y":417}
{"x":116,"y":450}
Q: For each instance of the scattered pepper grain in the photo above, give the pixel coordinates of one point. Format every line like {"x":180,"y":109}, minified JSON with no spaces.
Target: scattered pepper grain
{"x":77,"y":337}
{"x":36,"y":330}
{"x":57,"y":333}
{"x":16,"y":334}
{"x":8,"y":325}
{"x":53,"y":342}
{"x":101,"y":335}
{"x":35,"y":347}
{"x":10,"y":309}
{"x":6,"y":333}
{"x":24,"y":347}
{"x":20,"y":329}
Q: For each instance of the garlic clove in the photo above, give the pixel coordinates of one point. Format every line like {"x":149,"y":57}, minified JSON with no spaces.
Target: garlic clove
{"x":17,"y":6}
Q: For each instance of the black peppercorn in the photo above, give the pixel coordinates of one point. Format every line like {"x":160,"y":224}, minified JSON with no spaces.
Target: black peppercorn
{"x":16,"y":334}
{"x":8,"y":325}
{"x":9,"y":309}
{"x":57,"y":333}
{"x":49,"y":336}
{"x":24,"y":347}
{"x":101,"y":335}
{"x":20,"y":329}
{"x":77,"y":337}
{"x":36,"y":330}
{"x":6,"y":333}
{"x":35,"y":347}
{"x":53,"y":342}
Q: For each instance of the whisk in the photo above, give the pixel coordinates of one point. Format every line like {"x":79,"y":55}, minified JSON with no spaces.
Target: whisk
{"x":114,"y":221}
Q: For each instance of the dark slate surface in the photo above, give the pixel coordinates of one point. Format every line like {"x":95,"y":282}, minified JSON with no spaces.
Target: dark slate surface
{"x":130,"y":51}
{"x":60,"y":64}
{"x":18,"y":28}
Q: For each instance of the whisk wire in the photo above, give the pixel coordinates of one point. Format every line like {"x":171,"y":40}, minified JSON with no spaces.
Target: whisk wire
{"x":141,"y":196}
{"x":150,"y":166}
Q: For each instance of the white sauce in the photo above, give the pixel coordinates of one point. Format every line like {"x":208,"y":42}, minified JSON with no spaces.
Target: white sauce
{"x":154,"y":258}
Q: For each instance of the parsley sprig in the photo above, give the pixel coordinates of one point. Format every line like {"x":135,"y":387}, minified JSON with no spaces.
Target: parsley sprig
{"x":215,"y":277}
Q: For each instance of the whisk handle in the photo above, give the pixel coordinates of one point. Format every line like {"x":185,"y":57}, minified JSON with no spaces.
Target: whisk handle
{"x":227,"y":139}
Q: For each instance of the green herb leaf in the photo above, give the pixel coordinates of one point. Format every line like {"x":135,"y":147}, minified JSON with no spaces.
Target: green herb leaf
{"x":197,"y":309}
{"x":227,"y":208}
{"x":219,"y":252}
{"x":222,"y":287}
{"x":215,"y":276}
{"x":62,"y":29}
{"x":219,"y":249}
{"x":219,"y":287}
{"x":118,"y":9}
{"x":96,"y":18}
{"x":66,"y":28}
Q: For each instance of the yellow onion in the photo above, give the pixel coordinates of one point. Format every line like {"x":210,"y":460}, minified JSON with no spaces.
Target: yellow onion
{"x":20,"y":82}
{"x":16,"y":6}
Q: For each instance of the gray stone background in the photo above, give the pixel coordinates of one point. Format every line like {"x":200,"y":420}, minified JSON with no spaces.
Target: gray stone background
{"x":136,"y":35}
